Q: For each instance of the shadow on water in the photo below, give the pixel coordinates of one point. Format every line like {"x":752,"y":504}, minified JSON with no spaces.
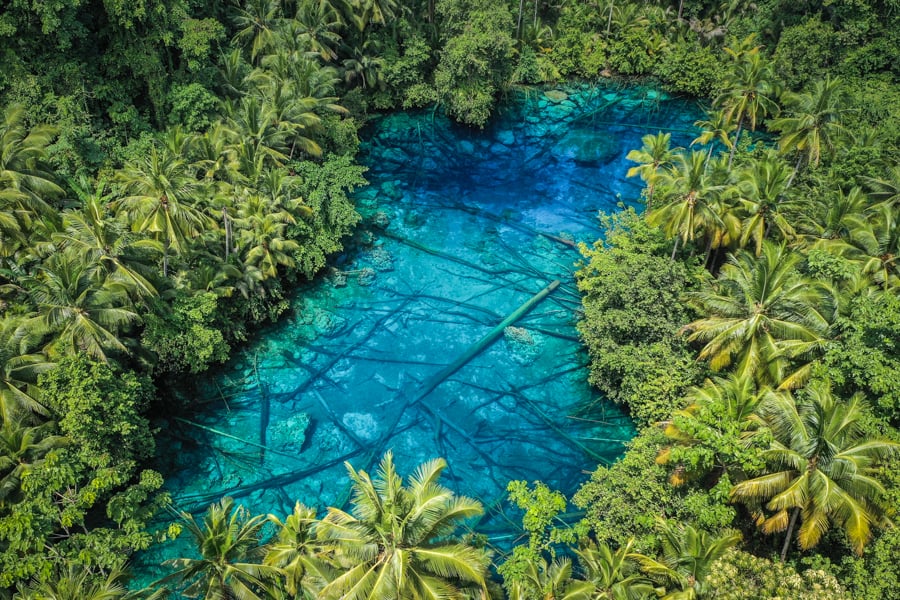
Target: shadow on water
{"x":392,"y":349}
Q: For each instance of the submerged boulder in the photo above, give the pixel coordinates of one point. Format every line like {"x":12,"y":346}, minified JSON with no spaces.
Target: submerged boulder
{"x":364,"y":425}
{"x":585,"y":146}
{"x":289,"y":434}
{"x":524,"y":346}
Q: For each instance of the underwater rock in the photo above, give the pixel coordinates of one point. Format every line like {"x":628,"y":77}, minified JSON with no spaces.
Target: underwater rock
{"x":414,"y":219}
{"x":585,"y":146}
{"x":366,"y":277}
{"x":337,"y":278}
{"x":556,"y":96}
{"x":523,"y":345}
{"x":380,"y":258}
{"x":466,"y":147}
{"x":506,"y":137}
{"x":390,"y":189}
{"x":364,"y":425}
{"x":327,"y":323}
{"x":381,"y":220}
{"x":289,"y":434}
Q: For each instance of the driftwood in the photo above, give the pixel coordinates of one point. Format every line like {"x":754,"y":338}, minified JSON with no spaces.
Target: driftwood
{"x":235,"y":438}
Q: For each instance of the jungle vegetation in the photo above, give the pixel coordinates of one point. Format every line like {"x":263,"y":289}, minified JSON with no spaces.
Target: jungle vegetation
{"x":169,"y":168}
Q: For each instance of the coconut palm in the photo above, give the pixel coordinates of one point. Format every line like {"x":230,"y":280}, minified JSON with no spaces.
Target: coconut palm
{"x":396,"y":542}
{"x":717,"y":431}
{"x":19,"y":371}
{"x":295,"y":553}
{"x":225,"y":540}
{"x":822,"y":469}
{"x":717,"y":127}
{"x":688,"y":200}
{"x":886,"y":189}
{"x":610,"y":575}
{"x":102,"y":242}
{"x":160,"y":196}
{"x":762,"y":191}
{"x":688,"y":556}
{"x":261,"y":235}
{"x":748,"y":94}
{"x":256,"y":23}
{"x":812,"y":122}
{"x":318,"y":25}
{"x":81,"y":582}
{"x":23,"y":447}
{"x":25,"y":181}
{"x":761,"y":315}
{"x":549,"y":581}
{"x":256,"y":125}
{"x":874,"y":244}
{"x":73,"y":312}
{"x":829,"y":218}
{"x":654,"y":156}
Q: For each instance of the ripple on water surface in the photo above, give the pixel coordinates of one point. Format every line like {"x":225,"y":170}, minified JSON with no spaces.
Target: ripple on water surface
{"x":462,"y":227}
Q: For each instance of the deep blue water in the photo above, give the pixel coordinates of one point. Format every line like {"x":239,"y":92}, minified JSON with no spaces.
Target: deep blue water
{"x":454,"y":241}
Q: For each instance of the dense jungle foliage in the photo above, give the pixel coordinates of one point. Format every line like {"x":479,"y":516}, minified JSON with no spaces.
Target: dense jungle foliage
{"x":168,"y":168}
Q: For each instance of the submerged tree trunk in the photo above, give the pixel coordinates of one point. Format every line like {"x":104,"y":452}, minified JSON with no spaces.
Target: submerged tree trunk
{"x":790,"y":533}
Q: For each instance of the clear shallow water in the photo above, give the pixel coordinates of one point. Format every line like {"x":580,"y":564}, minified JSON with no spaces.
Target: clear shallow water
{"x":462,"y":227}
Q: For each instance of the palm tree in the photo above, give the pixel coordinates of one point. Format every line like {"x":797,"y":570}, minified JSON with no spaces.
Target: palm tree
{"x":717,"y":127}
{"x":812,"y":123}
{"x":887,"y":189}
{"x":612,"y":575}
{"x":80,"y":582}
{"x":78,"y":315}
{"x":716,"y":431}
{"x":654,"y":156}
{"x":226,"y":538}
{"x":761,"y":313}
{"x":295,"y":552}
{"x":549,"y":581}
{"x":19,"y":373}
{"x":262,"y":236}
{"x":762,"y":191}
{"x":396,"y":543}
{"x":23,"y":448}
{"x":256,"y":23}
{"x":749,"y":94}
{"x":687,"y":200}
{"x":318,"y":24}
{"x":822,"y":469}
{"x":688,"y":556}
{"x":161,"y":191}
{"x":874,"y":244}
{"x":830,"y":218}
{"x":25,"y":181}
{"x":102,"y":241}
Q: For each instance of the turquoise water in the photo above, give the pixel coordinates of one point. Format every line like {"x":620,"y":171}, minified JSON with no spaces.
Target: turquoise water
{"x":461,"y":228}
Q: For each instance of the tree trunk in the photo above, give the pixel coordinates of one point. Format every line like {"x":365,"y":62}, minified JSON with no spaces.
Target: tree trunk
{"x":536,"y":4}
{"x":708,"y":252}
{"x":609,"y":21}
{"x":519,"y":20}
{"x":431,"y":11}
{"x":166,"y":259}
{"x":794,"y":174}
{"x":790,"y":533}
{"x":737,"y":137}
{"x":227,"y":225}
{"x":680,"y":9}
{"x":675,"y":248}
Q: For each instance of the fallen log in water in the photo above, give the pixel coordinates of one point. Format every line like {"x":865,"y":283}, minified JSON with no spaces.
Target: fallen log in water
{"x":234,"y":437}
{"x":445,"y":255}
{"x":483,"y":343}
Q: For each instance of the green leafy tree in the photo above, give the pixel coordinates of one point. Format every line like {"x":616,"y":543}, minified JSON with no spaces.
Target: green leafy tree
{"x":23,"y":448}
{"x":186,"y":337}
{"x":822,"y":467}
{"x":397,"y":541}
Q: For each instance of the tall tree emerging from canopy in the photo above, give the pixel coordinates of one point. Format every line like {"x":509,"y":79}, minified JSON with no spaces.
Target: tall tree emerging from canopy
{"x":762,"y":314}
{"x":396,"y":542}
{"x":822,"y":469}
